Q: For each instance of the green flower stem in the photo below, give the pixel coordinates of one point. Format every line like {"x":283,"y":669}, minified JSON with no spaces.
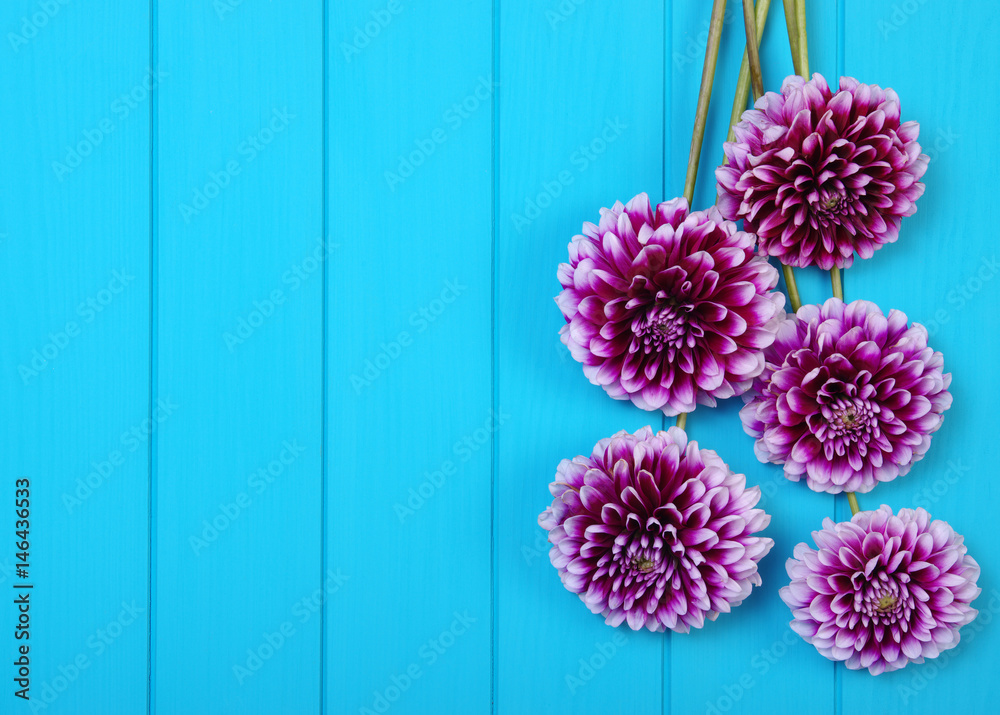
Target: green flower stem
{"x":752,"y":53}
{"x":803,"y":42}
{"x":792,"y":22}
{"x":704,"y":96}
{"x":836,"y":283}
{"x":743,"y":82}
{"x":795,"y":20}
{"x":792,"y":286}
{"x":852,"y":499}
{"x":838,"y":292}
{"x":750,"y":71}
{"x":682,"y":419}
{"x":795,"y":17}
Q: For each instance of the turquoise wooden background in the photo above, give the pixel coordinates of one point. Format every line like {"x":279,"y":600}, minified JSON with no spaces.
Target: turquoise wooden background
{"x":280,"y":355}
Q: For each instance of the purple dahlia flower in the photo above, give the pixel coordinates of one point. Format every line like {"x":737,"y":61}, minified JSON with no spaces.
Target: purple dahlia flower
{"x":652,"y":531}
{"x":668,"y":308}
{"x":818,"y":175}
{"x":848,"y":397}
{"x":881,"y":591}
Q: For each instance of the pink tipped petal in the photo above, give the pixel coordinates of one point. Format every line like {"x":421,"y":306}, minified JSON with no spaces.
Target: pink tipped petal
{"x":820,"y":175}
{"x":848,"y":397}
{"x":667,"y":308}
{"x":876,"y":602}
{"x":653,"y":532}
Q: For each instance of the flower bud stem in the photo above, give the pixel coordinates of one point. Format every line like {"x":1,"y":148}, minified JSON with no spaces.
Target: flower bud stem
{"x":751,"y":54}
{"x":803,"y":42}
{"x":743,"y":82}
{"x":792,"y":287}
{"x":795,"y":20}
{"x":838,"y":292}
{"x":704,"y":96}
{"x":792,"y":23}
{"x":836,"y":283}
{"x":682,"y":419}
{"x":852,"y":499}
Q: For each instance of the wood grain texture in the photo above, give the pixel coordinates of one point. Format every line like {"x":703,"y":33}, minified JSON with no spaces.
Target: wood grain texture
{"x":410,"y":389}
{"x":581,"y":126}
{"x":238,"y":470}
{"x":942,"y":273}
{"x":74,"y":257}
{"x":311,"y":284}
{"x":749,"y":661}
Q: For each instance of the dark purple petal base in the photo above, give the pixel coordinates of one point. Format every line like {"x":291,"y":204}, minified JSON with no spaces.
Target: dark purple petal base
{"x":654,"y":532}
{"x":882,"y":590}
{"x":848,"y":397}
{"x":666,"y":308}
{"x":819,"y":175}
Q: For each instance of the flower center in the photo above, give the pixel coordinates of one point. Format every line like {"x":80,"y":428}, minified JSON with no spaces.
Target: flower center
{"x":641,"y":553}
{"x":643,"y":565}
{"x":881,"y":599}
{"x":886,"y":603}
{"x":831,"y":205}
{"x":850,"y":416}
{"x":661,"y":328}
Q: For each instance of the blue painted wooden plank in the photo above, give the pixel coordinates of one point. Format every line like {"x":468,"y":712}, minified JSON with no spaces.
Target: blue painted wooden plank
{"x":240,"y":351}
{"x":748,"y":661}
{"x":420,"y":616}
{"x":580,"y":126}
{"x":74,"y":257}
{"x":410,"y":411}
{"x":941,"y":273}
